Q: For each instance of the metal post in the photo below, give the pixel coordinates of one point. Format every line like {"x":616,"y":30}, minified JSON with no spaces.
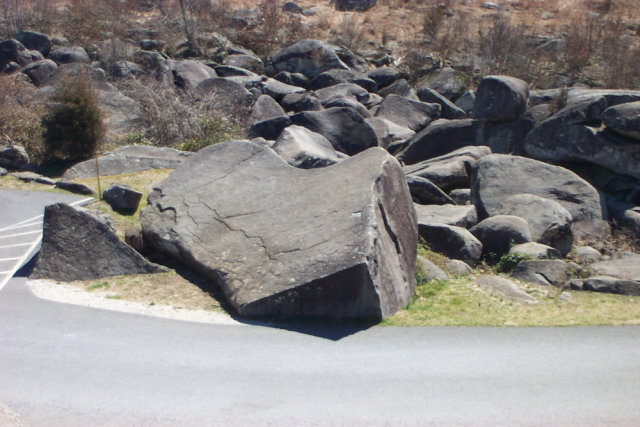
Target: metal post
{"x":98,"y":176}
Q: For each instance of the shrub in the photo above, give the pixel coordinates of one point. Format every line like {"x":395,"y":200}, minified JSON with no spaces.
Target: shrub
{"x":135,"y":138}
{"x":212,"y":131}
{"x":167,"y":116}
{"x":20,"y":112}
{"x":73,"y":126}
{"x":509,"y":261}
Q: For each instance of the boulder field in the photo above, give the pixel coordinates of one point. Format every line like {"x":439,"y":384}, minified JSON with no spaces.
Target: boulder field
{"x":319,"y":213}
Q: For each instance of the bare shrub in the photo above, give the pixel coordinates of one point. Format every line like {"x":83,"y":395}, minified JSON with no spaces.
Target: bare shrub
{"x":20,"y":112}
{"x":432,"y":21}
{"x":268,"y":35}
{"x":349,"y":32}
{"x":18,"y":15}
{"x":168,"y":116}
{"x":508,"y":49}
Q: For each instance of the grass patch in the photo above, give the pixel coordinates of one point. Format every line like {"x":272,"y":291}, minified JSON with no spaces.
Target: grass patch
{"x":97,"y":286}
{"x":459,"y":302}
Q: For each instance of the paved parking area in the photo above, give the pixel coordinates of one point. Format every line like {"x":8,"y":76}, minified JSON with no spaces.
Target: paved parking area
{"x":21,"y":218}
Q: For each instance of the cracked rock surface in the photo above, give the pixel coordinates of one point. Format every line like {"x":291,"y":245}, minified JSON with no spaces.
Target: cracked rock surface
{"x":338,"y":241}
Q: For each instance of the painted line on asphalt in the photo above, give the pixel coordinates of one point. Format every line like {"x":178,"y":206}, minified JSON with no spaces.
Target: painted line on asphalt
{"x":35,"y":244}
{"x":20,"y":234}
{"x":22,"y":223}
{"x":15,"y":246}
{"x":15,"y":227}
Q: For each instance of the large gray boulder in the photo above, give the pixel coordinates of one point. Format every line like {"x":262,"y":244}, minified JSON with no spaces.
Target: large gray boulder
{"x":70,"y":235}
{"x":189,"y":73}
{"x":333,"y":77}
{"x":342,"y":126}
{"x":35,"y":41}
{"x":575,"y":134}
{"x":624,"y":119}
{"x":298,"y":102}
{"x":9,"y":51}
{"x":451,"y":170}
{"x":409,"y":114}
{"x":450,"y":110}
{"x":247,"y":62}
{"x":348,"y":90}
{"x":40,"y":72}
{"x":70,"y":55}
{"x":497,"y":177}
{"x":337,"y":241}
{"x":426,"y":192}
{"x":277,"y":89}
{"x":451,"y":241}
{"x":500,"y":99}
{"x":224,"y":93}
{"x":341,"y":101}
{"x":439,"y":138}
{"x":269,"y":129}
{"x":499,"y":232}
{"x":304,"y":149}
{"x":401,"y":88}
{"x":447,"y":82}
{"x":265,"y":108}
{"x":309,"y":57}
{"x":129,"y":159}
{"x":549,"y":222}
{"x":384,"y":76}
{"x":13,"y":157}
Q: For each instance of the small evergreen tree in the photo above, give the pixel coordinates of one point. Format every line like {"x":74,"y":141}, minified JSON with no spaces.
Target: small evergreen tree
{"x":73,"y":126}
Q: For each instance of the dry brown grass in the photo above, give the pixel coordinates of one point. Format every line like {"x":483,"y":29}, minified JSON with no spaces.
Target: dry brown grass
{"x":184,"y":290}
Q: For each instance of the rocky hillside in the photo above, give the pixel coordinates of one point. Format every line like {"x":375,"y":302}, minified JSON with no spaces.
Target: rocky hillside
{"x":322,"y":166}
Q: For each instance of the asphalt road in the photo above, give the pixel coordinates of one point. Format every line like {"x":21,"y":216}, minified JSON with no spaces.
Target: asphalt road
{"x":69,"y":365}
{"x":62,"y":364}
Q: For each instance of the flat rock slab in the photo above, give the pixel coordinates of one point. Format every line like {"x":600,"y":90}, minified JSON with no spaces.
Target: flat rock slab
{"x":338,"y":241}
{"x":130,"y":159}
{"x":627,"y":266}
{"x":542,"y":271}
{"x":506,"y":288}
{"x":78,"y":246}
{"x":460,"y":216}
{"x":612,"y":285}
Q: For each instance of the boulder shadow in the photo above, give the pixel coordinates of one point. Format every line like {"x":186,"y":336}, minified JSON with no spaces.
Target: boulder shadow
{"x":321,"y":327}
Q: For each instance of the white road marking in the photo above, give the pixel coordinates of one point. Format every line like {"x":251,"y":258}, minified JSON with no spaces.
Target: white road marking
{"x":33,"y":224}
{"x":22,"y":223}
{"x":15,"y":246}
{"x":28,"y":223}
{"x":21,"y":234}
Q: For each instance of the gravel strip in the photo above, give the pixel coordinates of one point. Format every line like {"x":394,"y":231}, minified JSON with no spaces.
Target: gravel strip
{"x":52,"y":291}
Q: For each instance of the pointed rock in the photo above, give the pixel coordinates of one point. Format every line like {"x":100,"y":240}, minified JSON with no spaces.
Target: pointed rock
{"x":70,"y":235}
